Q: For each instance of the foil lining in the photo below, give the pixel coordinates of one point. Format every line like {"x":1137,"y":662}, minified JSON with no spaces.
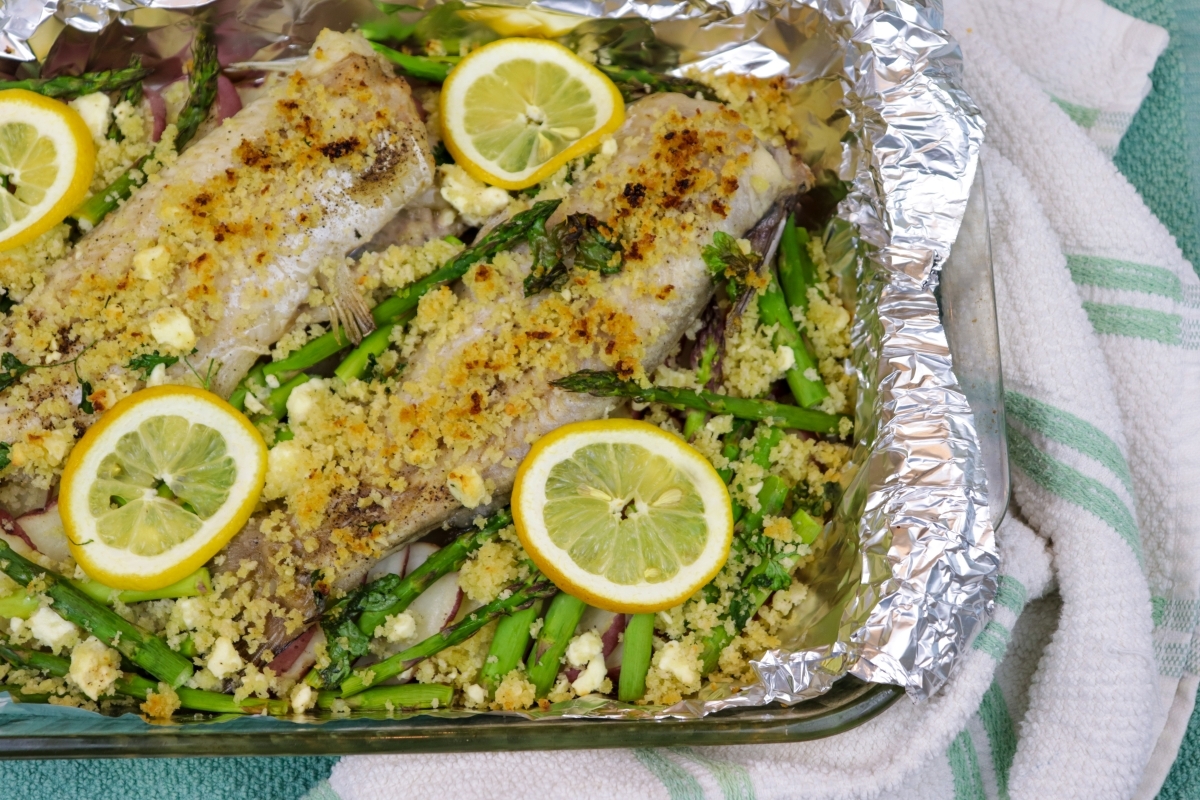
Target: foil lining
{"x":908,"y":572}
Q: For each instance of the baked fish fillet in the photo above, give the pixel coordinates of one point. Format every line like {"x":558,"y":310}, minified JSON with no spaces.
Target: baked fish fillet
{"x":221,"y":247}
{"x":373,"y":466}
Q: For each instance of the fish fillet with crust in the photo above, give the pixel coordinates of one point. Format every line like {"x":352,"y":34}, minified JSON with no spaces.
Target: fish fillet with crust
{"x":218,"y":250}
{"x":375,"y":465}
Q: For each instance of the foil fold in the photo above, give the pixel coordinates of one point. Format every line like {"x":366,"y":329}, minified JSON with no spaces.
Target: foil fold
{"x":908,"y":572}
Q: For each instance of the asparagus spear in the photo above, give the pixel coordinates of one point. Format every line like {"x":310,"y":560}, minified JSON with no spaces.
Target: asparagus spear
{"x":508,"y":646}
{"x":141,"y":647}
{"x":797,"y":272}
{"x":23,"y":605}
{"x":355,"y":365}
{"x":635,"y":658}
{"x":69,"y":86}
{"x":637,"y":83}
{"x":427,"y":68}
{"x":707,"y":358}
{"x":607,"y":384}
{"x":522,"y":596}
{"x":350,"y":623}
{"x":203,"y":86}
{"x":133,"y":685}
{"x":557,"y":629}
{"x":388,"y":29}
{"x":396,"y":308}
{"x":412,"y":695}
{"x":773,"y":310}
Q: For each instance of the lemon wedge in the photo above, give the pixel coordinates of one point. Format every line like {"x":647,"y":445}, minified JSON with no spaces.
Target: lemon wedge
{"x":46,"y":163}
{"x":159,"y":485}
{"x":622,"y":515}
{"x":515,"y":110}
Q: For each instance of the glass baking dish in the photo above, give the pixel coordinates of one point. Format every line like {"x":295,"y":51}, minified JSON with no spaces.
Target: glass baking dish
{"x":966,"y":297}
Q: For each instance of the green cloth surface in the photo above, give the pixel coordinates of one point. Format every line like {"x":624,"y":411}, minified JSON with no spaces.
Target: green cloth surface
{"x":1160,"y":155}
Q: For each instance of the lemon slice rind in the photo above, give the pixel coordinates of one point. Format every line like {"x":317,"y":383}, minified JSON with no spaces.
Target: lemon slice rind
{"x":529,"y":498}
{"x":75,"y":157}
{"x":119,"y":568}
{"x":486,"y":63}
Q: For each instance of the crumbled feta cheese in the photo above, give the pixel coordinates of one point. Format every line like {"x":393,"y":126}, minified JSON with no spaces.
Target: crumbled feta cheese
{"x":95,"y":667}
{"x":158,"y":375}
{"x":474,"y":201}
{"x":94,"y":109}
{"x":171,"y":327}
{"x":252,"y":404}
{"x":785,"y":359}
{"x":303,"y":698}
{"x":583,"y":648}
{"x":224,"y":659}
{"x":287,"y":468}
{"x":590,"y":679}
{"x":467,"y":487}
{"x":476,"y":694}
{"x":15,"y":626}
{"x":152,"y":263}
{"x":609,"y":147}
{"x":52,"y":630}
{"x":397,"y":627}
{"x":191,"y":612}
{"x":303,"y":400}
{"x":681,"y":662}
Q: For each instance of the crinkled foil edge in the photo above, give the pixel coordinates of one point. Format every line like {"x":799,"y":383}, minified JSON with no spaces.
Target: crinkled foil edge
{"x":918,"y":561}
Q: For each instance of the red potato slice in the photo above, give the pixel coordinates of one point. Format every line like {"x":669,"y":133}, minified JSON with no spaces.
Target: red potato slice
{"x":44,"y":529}
{"x":417,"y":555}
{"x":436,"y":607}
{"x":295,"y":660}
{"x":392,"y":564}
{"x":14,"y":536}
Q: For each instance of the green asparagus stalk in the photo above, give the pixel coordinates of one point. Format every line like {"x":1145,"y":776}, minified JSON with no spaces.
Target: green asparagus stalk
{"x":637,"y":83}
{"x":276,"y":402}
{"x":635,"y":657}
{"x":17,"y":693}
{"x":773,"y":310}
{"x":388,"y":29}
{"x":355,"y":365}
{"x":133,"y":685}
{"x":18,"y":605}
{"x":22,"y":605}
{"x":704,"y":371}
{"x":508,"y":646}
{"x":203,"y":86}
{"x":141,"y":647}
{"x":557,"y":629}
{"x":607,"y":384}
{"x":732,"y":445}
{"x":797,"y":272}
{"x":65,"y":87}
{"x":522,"y":596}
{"x":807,"y":528}
{"x":396,"y":308}
{"x":194,"y":585}
{"x":408,"y":696}
{"x":434,"y":69}
{"x":770,"y":502}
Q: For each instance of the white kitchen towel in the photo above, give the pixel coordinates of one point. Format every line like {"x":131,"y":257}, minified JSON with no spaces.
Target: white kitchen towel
{"x":1094,"y":61}
{"x":1072,"y":689}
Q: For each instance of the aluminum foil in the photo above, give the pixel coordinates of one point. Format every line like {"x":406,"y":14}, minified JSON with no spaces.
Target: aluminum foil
{"x":907,"y":571}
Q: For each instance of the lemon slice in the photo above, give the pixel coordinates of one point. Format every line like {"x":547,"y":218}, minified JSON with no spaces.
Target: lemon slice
{"x":514,"y":111}
{"x":46,"y":163}
{"x":159,"y":485}
{"x":622,"y":515}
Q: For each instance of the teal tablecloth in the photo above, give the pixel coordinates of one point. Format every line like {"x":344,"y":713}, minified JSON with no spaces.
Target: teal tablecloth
{"x":1160,"y":155}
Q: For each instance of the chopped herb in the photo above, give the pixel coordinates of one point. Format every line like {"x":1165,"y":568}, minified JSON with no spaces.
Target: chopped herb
{"x":85,"y":404}
{"x":6,"y":301}
{"x":441,"y":154}
{"x":725,"y":258}
{"x":5,"y":454}
{"x":146,"y":363}
{"x":578,"y":241}
{"x":11,"y":370}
